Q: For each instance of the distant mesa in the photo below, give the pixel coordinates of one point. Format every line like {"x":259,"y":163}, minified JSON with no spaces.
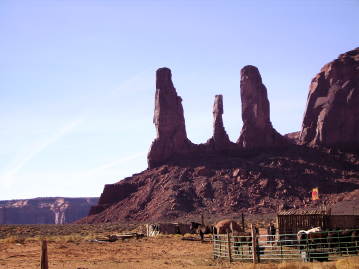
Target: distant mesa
{"x":50,"y":210}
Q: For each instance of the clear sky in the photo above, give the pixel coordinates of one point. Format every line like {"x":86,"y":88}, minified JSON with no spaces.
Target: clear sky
{"x":77,"y":78}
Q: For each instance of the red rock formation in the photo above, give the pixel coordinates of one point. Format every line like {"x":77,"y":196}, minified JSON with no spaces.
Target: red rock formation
{"x":220,"y":139}
{"x":185,"y":180}
{"x":169,"y":121}
{"x":257,"y":130}
{"x":293,"y":137}
{"x":225,"y":185}
{"x":332,"y":114}
{"x":112,"y":193}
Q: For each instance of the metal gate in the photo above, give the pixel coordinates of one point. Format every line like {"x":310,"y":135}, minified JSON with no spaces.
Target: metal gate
{"x":320,"y":246}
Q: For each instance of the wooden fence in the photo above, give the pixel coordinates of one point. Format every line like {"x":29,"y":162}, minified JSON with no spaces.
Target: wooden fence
{"x":325,"y":246}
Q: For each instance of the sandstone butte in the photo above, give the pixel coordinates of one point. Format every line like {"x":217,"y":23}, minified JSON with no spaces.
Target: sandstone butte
{"x":260,"y":173}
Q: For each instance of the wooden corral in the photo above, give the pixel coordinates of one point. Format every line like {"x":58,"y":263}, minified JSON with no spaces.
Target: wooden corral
{"x":167,"y":228}
{"x":291,"y":221}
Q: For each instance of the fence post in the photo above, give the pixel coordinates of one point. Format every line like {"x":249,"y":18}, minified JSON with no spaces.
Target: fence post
{"x":229,"y":247}
{"x":44,"y":262}
{"x":243,"y":228}
{"x":254,"y":244}
{"x":214,"y":245}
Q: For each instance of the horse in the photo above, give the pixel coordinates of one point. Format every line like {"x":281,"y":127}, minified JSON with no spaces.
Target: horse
{"x":201,"y":229}
{"x":242,"y":239}
{"x":345,"y":240}
{"x":312,"y":236}
{"x":227,"y":226}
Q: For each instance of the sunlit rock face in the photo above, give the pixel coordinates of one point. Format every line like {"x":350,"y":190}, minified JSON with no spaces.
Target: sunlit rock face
{"x":332,"y":114}
{"x":257,"y":130}
{"x":45,"y":210}
{"x":261,"y":173}
{"x":169,"y":121}
{"x":220,"y":140}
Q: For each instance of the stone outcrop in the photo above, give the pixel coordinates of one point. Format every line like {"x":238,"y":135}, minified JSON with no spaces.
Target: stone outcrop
{"x":220,"y":178}
{"x":220,"y":139}
{"x":227,"y":185}
{"x":169,"y":121}
{"x":45,"y":210}
{"x":332,"y":115}
{"x":257,"y":130}
{"x":293,"y":137}
{"x":112,"y":193}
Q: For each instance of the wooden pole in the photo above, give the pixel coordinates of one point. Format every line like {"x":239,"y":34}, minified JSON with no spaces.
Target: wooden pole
{"x":254,"y":244}
{"x":214,"y":245}
{"x":44,"y":261}
{"x":229,"y":247}
{"x":243,"y":228}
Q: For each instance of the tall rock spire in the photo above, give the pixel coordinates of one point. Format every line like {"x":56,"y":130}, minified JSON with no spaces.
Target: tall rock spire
{"x":220,"y":139}
{"x":169,"y":121}
{"x":257,"y":130}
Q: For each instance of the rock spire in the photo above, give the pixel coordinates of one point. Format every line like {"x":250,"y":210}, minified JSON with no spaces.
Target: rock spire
{"x":169,"y":121}
{"x":220,"y":139}
{"x":257,"y":130}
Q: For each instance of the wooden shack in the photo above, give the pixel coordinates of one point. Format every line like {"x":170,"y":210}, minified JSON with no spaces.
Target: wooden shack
{"x":293,"y":220}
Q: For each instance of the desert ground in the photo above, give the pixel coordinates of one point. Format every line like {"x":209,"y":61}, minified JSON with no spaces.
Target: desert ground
{"x":72,"y":246}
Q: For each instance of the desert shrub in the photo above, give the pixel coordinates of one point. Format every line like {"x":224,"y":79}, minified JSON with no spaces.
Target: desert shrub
{"x":13,"y":239}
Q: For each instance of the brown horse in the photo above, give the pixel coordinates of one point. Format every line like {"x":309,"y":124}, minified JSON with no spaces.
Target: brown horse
{"x":227,"y":226}
{"x":200,"y":229}
{"x":241,"y":238}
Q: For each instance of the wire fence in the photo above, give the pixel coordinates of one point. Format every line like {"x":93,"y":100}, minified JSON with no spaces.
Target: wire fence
{"x":319,"y":246}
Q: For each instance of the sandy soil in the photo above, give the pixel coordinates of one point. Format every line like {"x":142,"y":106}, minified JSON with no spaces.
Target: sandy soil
{"x":159,"y":252}
{"x":73,"y":251}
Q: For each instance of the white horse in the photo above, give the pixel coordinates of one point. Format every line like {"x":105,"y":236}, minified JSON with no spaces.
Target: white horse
{"x":303,"y":235}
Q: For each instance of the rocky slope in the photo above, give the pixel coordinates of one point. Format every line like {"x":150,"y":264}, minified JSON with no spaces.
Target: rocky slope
{"x":262,"y":172}
{"x":45,"y":210}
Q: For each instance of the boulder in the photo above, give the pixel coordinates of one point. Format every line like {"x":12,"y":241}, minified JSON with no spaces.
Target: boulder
{"x":331,"y":118}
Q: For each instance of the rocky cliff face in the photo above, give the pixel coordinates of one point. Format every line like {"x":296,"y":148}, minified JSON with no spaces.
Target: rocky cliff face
{"x":169,"y":121}
{"x":45,"y":210}
{"x":257,"y":130}
{"x":227,"y":185}
{"x":332,"y":115}
{"x":262,"y":172}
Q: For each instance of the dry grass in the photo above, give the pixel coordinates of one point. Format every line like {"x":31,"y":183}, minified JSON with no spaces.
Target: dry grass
{"x":74,"y":250}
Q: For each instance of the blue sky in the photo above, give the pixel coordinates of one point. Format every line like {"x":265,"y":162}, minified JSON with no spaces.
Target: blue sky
{"x":77,"y":78}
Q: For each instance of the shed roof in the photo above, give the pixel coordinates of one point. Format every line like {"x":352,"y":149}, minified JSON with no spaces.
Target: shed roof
{"x":303,"y":211}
